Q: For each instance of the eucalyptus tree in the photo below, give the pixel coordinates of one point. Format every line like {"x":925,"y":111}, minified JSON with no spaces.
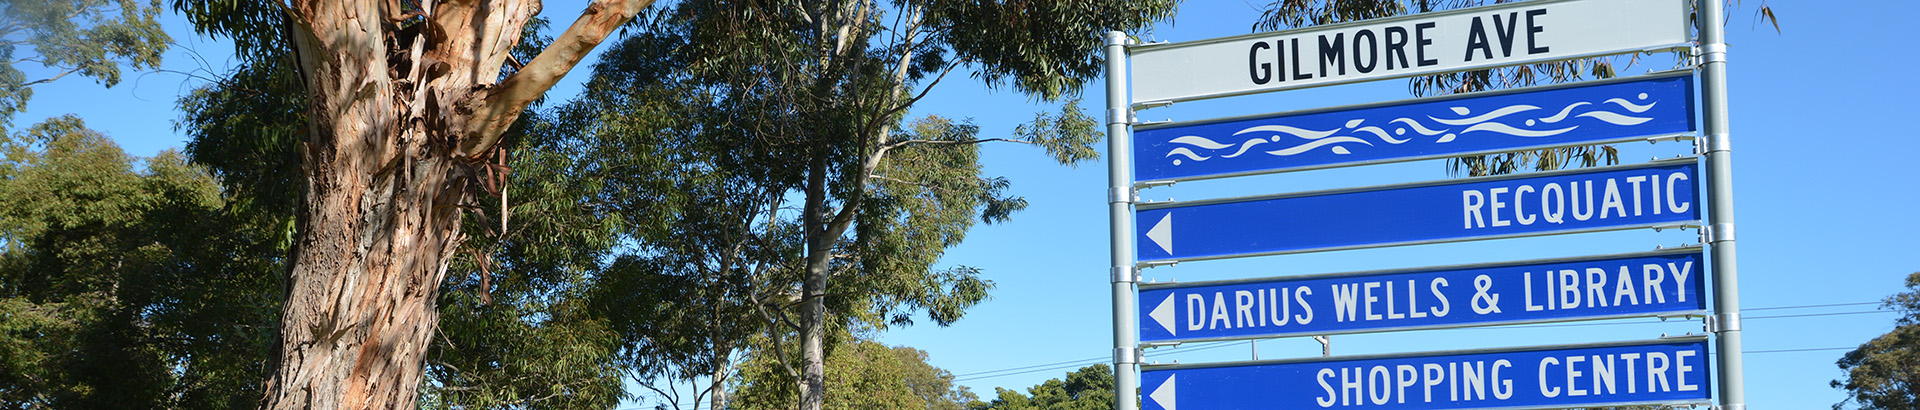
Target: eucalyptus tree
{"x":814,"y":97}
{"x":92,"y":38}
{"x":403,"y":102}
{"x":1881,"y":373}
{"x":128,"y":288}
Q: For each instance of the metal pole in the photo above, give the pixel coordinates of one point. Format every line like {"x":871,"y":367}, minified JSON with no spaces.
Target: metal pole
{"x":1126,"y":351}
{"x":1718,"y":233}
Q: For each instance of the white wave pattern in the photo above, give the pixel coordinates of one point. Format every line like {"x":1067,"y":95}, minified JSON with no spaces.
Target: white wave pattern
{"x":1244,"y":147}
{"x":1298,"y":132}
{"x":1502,"y":112}
{"x":1188,"y":153}
{"x":1199,"y":141}
{"x":1317,"y":144}
{"x":1357,"y":136}
{"x":1563,"y":113}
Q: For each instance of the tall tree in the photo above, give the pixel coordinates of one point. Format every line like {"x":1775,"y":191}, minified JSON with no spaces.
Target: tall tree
{"x":826,"y":84}
{"x":92,"y":38}
{"x":1884,"y":373}
{"x":404,"y":102}
{"x":128,"y":289}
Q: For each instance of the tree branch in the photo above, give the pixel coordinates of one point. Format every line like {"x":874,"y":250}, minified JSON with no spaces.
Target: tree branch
{"x":902,"y":143}
{"x":505,"y":102}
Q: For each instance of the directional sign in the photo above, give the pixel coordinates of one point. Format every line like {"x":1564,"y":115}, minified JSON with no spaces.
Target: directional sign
{"x":1426,"y":43}
{"x":1671,"y":371}
{"x":1642,"y":284}
{"x":1620,"y":197}
{"x":1583,"y":113}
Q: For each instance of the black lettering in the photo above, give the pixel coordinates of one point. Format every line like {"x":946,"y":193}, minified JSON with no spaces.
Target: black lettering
{"x":1505,"y":31}
{"x":1372,"y":51}
{"x":1297,"y":74}
{"x":1420,"y":43}
{"x":1397,"y":47}
{"x":1477,"y":38}
{"x":1334,"y":52}
{"x":1261,"y":72}
{"x":1534,"y":28}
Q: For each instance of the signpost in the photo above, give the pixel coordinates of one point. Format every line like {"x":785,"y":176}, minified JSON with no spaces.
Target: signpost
{"x":1633,"y":196}
{"x":1427,"y":43}
{"x":1652,"y":195}
{"x":1669,"y":371}
{"x":1627,"y":109}
{"x":1662,"y":283}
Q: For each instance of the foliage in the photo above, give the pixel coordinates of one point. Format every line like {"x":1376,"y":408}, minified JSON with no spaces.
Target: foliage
{"x":87,"y":37}
{"x":1884,"y":373}
{"x":861,"y":374}
{"x":123,"y":289}
{"x":515,"y":330}
{"x":1090,"y":388}
{"x":812,"y":96}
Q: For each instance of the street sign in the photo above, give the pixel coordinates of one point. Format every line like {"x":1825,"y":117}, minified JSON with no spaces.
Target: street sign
{"x":1555,"y":116}
{"x":1620,"y":197}
{"x":1632,"y":285}
{"x":1427,"y":43}
{"x":1669,"y":371}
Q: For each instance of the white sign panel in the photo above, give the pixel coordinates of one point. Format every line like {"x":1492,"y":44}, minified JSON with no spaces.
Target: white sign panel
{"x":1481,"y":37}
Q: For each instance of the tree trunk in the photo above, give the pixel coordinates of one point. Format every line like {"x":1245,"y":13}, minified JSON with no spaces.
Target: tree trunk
{"x":813,"y":289}
{"x":401,"y":104}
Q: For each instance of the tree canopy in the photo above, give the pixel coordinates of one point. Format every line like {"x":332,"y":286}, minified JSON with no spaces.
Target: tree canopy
{"x":92,"y":38}
{"x":1089,"y":388}
{"x":1884,"y":373}
{"x":128,"y":289}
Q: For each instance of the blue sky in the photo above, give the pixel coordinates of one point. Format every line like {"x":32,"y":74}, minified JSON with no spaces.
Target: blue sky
{"x":1824,"y":185}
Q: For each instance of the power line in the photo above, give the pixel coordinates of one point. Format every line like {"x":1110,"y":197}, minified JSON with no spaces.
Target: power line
{"x":1796,"y":350}
{"x":1814,"y":306}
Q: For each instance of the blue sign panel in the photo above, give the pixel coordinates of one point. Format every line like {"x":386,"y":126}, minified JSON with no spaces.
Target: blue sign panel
{"x":1672,"y":371}
{"x":1588,"y":113}
{"x":1642,"y":284}
{"x":1594,"y":199}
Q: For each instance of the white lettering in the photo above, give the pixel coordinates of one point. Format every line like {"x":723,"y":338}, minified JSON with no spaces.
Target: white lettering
{"x":1545,"y":389}
{"x":1344,"y":302}
{"x":1559,"y":200}
{"x":1220,"y":317}
{"x":1519,"y":208}
{"x":1635,"y":182}
{"x":1676,"y":207}
{"x":1680,"y":274}
{"x":1612,"y":201}
{"x":1681,"y":370}
{"x":1321,"y":377}
{"x":1243,"y":305}
{"x":1493,"y":197}
{"x":1471,"y":201}
{"x":1196,"y":311}
{"x":1368,"y":289}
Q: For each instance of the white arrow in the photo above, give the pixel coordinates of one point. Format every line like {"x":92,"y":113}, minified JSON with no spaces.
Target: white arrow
{"x":1162,"y":233}
{"x":1164,"y":394}
{"x":1164,"y":313}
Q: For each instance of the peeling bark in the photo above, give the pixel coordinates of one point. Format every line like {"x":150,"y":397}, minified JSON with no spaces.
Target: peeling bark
{"x":399,"y":113}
